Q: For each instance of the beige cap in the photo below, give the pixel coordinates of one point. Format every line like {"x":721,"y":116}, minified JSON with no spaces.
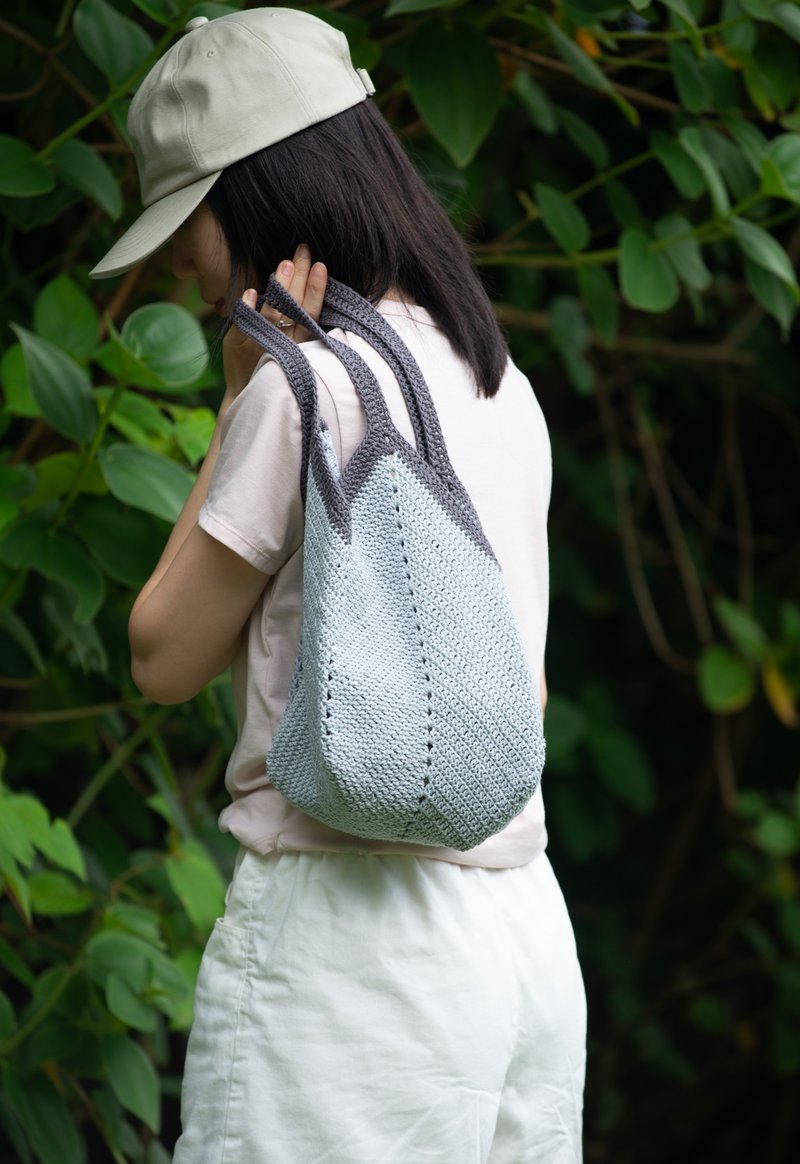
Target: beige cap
{"x":228,"y":88}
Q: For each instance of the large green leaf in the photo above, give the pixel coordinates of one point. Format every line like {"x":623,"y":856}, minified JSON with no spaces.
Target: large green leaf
{"x":773,"y":295}
{"x":56,"y":475}
{"x":195,"y":879}
{"x":622,"y":765}
{"x":686,"y":256}
{"x":599,"y":293}
{"x":692,"y":141}
{"x":396,"y":7}
{"x":128,"y":1006}
{"x":146,"y":480}
{"x":54,"y":894}
{"x":646,"y":277}
{"x":60,"y":387}
{"x":133,"y":1079}
{"x":726,"y":682}
{"x":82,"y":168}
{"x":780,"y":167}
{"x":46,"y":1118}
{"x":686,"y":175}
{"x":787,"y":17}
{"x":22,"y":175}
{"x":57,"y":555}
{"x":690,"y":80}
{"x":162,"y":11}
{"x":564,"y":220}
{"x":587,"y":139}
{"x":160,"y":346}
{"x":745,"y":631}
{"x":64,"y":315}
{"x":115,"y":44}
{"x":455,"y":82}
{"x":126,"y":546}
{"x":19,"y":399}
{"x":765,"y":250}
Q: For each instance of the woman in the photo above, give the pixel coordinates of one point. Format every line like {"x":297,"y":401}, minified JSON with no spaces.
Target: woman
{"x":360,"y":1002}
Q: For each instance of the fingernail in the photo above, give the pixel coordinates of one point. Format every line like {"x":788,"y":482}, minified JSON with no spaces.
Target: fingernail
{"x":286,"y":267}
{"x":303,"y":252}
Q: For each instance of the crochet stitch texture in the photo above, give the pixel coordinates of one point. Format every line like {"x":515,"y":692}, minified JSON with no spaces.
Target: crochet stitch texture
{"x":412,"y":715}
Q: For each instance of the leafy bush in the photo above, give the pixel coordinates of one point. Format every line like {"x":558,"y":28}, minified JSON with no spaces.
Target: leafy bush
{"x":630,"y":176}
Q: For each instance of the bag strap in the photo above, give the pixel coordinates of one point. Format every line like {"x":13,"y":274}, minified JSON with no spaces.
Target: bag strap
{"x":345,"y":308}
{"x":379,"y":420}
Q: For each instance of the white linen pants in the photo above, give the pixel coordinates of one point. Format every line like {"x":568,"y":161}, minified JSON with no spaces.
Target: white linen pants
{"x":367,"y":1009}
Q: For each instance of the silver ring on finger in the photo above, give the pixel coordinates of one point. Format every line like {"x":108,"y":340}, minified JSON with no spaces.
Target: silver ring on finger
{"x":285,"y":323}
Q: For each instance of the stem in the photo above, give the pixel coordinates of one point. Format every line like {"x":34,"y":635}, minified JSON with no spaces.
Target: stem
{"x":39,"y":1015}
{"x":89,"y":453}
{"x":112,"y":765}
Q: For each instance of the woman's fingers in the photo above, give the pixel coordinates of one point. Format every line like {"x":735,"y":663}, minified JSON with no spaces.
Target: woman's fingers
{"x":305,"y":281}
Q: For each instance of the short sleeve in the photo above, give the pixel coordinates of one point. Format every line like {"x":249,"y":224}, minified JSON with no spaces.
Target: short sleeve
{"x":254,"y":505}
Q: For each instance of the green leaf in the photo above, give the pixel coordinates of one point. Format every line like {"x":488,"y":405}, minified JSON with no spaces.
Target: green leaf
{"x":693,"y":88}
{"x":455,"y":82}
{"x":647,"y":279}
{"x":746,"y":633}
{"x":692,"y":141}
{"x":162,"y":11}
{"x":54,"y":894}
{"x":115,"y":44}
{"x":748,"y":137}
{"x":59,"y":386}
{"x":764,"y":250}
{"x":599,"y":293}
{"x":586,"y":70}
{"x":787,"y":17}
{"x":726,"y":682}
{"x":126,"y":545}
{"x":60,"y":847}
{"x":133,"y":1079}
{"x":194,"y":428}
{"x":138,"y":418}
{"x":64,"y":315}
{"x":7,"y":1019}
{"x":58,"y":556}
{"x":623,"y":766}
{"x":685,"y":256}
{"x":16,"y":389}
{"x":686,"y":175}
{"x":587,"y":140}
{"x":21,"y":634}
{"x":780,"y":167}
{"x":46,"y":1118}
{"x":123,"y":1002}
{"x":778,"y":834}
{"x":563,"y":219}
{"x":83,"y":169}
{"x":146,"y":480}
{"x":15,"y":966}
{"x":396,"y":7}
{"x":22,"y":175}
{"x":565,"y":729}
{"x":160,"y":346}
{"x":55,"y":476}
{"x":196,"y":881}
{"x":536,"y":103}
{"x":773,"y":295}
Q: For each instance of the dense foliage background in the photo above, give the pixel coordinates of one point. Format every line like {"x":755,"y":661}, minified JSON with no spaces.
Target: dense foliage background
{"x":629,"y":174}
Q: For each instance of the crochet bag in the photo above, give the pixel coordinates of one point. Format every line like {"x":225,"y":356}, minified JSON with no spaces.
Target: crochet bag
{"x":411,"y":715}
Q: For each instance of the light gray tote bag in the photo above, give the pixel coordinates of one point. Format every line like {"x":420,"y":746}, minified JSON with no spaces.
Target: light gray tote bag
{"x":412,"y":714}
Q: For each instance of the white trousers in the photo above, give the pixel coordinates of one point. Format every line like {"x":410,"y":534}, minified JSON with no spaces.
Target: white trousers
{"x":364,"y":1009}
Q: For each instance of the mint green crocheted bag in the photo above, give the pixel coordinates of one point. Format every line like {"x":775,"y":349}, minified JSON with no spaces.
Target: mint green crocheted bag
{"x":412,"y":715}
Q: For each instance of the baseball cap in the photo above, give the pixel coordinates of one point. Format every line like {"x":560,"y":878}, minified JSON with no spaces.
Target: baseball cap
{"x":228,"y":88}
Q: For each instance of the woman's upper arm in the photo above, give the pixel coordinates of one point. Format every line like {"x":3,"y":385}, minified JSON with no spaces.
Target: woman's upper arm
{"x":188,"y":628}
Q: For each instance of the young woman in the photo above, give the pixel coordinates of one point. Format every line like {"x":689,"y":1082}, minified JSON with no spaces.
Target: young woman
{"x":361,"y":1002}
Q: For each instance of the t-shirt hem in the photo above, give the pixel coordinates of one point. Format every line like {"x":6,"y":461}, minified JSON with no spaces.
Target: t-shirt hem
{"x":222,"y":532}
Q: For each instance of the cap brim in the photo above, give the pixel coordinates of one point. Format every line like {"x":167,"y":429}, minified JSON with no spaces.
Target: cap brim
{"x":152,"y":228}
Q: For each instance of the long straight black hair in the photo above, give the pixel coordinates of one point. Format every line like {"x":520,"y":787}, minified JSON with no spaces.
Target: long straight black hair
{"x":347,"y":188}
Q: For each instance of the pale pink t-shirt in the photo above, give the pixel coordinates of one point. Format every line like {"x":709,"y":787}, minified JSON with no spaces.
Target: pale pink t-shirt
{"x":499,"y":448}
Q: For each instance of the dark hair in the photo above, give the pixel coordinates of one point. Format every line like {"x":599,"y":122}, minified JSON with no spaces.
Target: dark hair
{"x":347,"y":188}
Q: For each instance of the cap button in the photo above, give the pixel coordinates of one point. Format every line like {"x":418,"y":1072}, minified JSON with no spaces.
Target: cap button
{"x":195,"y":22}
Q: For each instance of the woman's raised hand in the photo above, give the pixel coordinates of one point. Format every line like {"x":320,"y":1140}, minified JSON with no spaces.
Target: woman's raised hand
{"x":306,"y":283}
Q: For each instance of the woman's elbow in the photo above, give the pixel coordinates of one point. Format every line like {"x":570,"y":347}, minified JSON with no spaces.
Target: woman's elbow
{"x":157,"y":685}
